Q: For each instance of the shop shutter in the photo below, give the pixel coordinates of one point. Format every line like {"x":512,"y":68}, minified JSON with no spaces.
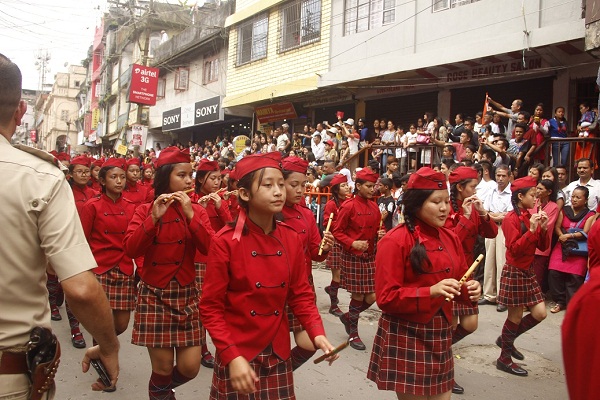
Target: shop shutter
{"x":403,"y":110}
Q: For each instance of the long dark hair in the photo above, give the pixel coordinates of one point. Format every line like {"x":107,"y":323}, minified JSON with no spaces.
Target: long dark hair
{"x":162,"y":179}
{"x":335,"y":194}
{"x":413,"y":200}
{"x":200,"y":180}
{"x":550,"y":185}
{"x":454,"y":193}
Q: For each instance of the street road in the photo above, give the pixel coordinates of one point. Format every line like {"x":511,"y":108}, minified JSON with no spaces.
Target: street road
{"x":346,"y":379}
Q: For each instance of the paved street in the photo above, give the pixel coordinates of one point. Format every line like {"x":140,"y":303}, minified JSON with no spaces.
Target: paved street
{"x":474,"y":361}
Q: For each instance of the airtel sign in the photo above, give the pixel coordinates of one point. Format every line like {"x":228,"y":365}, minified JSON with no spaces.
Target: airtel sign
{"x":144,"y":82}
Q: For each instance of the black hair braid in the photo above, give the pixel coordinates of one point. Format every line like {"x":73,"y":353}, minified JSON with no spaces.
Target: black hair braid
{"x":453,"y":193}
{"x":418,"y":254}
{"x":335,"y":195}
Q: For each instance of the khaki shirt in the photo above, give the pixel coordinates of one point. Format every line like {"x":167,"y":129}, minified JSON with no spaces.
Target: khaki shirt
{"x":40,"y":225}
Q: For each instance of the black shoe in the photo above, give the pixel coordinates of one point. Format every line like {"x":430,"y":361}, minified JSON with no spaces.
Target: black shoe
{"x":335,"y":310}
{"x":457,"y":389}
{"x":357,"y":344}
{"x":515,"y":353}
{"x":55,"y":314}
{"x":483,"y":302}
{"x":77,"y":340}
{"x":208,"y":360}
{"x":110,"y":389}
{"x":346,"y":321}
{"x":511,"y":368}
{"x":501,"y":308}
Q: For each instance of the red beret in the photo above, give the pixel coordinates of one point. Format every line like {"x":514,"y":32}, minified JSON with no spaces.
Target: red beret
{"x":63,"y":157}
{"x":206,"y":165}
{"x":147,"y":166}
{"x":329,"y":143}
{"x":80,"y":160}
{"x":232,"y":175}
{"x":427,"y":179}
{"x":172,"y":155}
{"x":523,"y":183}
{"x":295,"y":164}
{"x":133,"y":161}
{"x":255,"y":162}
{"x":337,"y":179}
{"x":113,"y":162}
{"x":462,"y":173}
{"x":225,"y":171}
{"x":367,"y":174}
{"x":98,"y":163}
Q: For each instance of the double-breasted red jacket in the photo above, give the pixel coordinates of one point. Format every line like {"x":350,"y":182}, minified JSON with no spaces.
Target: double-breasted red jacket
{"x":520,"y":242}
{"x":467,"y":229}
{"x":169,"y":246}
{"x":248,"y":284}
{"x":135,"y":192}
{"x":104,"y":223}
{"x":358,"y":219}
{"x":302,"y":220}
{"x":401,"y":291}
{"x":82,"y":195}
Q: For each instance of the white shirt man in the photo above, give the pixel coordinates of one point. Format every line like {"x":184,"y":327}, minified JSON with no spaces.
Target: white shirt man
{"x":318,"y":147}
{"x":584,"y":171}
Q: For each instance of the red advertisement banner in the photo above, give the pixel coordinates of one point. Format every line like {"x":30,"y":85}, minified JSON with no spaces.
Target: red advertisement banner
{"x":144,"y":83}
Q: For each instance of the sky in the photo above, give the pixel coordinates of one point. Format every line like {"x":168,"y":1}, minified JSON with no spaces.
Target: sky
{"x":63,"y":28}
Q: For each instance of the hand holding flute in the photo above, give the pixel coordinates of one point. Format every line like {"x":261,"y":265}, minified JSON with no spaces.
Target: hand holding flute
{"x":468,"y":273}
{"x":325,"y":236}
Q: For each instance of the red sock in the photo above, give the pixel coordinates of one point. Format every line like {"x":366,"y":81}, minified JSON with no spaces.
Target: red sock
{"x":159,"y":387}
{"x":509,"y":333}
{"x":300,"y":356}
{"x":178,"y":379}
{"x":526,"y":324}
{"x":459,"y":334}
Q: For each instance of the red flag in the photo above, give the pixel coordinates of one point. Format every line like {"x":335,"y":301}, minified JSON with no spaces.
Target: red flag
{"x":485,"y":107}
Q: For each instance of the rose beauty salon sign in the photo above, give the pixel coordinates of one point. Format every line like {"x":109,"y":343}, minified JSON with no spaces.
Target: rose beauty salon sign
{"x":144,"y":83}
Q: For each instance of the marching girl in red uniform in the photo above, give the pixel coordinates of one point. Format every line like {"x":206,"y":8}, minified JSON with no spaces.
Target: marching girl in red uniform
{"x":207,"y":185}
{"x":134,"y":190}
{"x":167,"y":233}
{"x":339,"y":192}
{"x":419,"y":265}
{"x":467,"y":219}
{"x":94,"y":171}
{"x":104,"y":220}
{"x":231,"y":195}
{"x":356,"y":229}
{"x":147,"y":174}
{"x":257,"y":267}
{"x":297,"y":216}
{"x":524,"y":233}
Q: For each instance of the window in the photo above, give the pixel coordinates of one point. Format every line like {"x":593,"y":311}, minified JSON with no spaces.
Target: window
{"x":182,"y":78}
{"x":252,"y":39}
{"x":439,"y":5}
{"x":161,"y":88}
{"x":362,"y":15}
{"x":153,"y":43}
{"x":77,"y":83}
{"x":64,"y":115}
{"x":211,"y":69}
{"x":300,"y":24}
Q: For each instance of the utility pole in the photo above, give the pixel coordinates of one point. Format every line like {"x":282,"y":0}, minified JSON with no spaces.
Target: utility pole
{"x":42,"y":60}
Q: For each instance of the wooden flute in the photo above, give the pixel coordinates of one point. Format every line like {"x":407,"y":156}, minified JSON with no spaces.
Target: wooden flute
{"x":167,"y":199}
{"x":469,"y":272}
{"x":332,"y":352}
{"x":326,"y":230}
{"x":207,"y":197}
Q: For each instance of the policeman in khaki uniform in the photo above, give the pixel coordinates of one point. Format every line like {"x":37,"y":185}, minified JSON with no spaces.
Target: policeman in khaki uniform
{"x":41,"y":225}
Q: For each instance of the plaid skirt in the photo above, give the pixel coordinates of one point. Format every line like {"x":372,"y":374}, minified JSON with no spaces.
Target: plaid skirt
{"x":412,"y":358}
{"x":276,"y":380}
{"x":119,"y":289}
{"x":460,"y":309}
{"x":167,"y":317}
{"x":200,"y":272}
{"x":519,"y":288}
{"x":358,"y":273}
{"x":334,"y":258}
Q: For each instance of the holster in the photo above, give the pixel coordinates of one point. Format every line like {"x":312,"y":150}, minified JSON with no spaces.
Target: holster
{"x":43,"y":357}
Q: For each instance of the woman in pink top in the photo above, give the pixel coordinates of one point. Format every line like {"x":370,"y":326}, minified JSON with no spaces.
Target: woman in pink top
{"x":546,"y":199}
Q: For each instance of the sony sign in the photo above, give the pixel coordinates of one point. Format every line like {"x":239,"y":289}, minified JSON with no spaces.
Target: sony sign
{"x":199,"y":113}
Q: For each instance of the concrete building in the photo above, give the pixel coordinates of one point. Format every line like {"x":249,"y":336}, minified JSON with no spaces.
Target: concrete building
{"x":26,"y":133}
{"x":60,"y":110}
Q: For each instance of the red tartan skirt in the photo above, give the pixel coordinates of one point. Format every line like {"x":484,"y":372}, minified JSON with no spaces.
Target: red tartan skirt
{"x":167,"y":317}
{"x":412,"y":358}
{"x":460,"y":309}
{"x":276,"y":380}
{"x":358,"y":273}
{"x":518,"y":287}
{"x":119,"y":289}
{"x":200,"y":272}
{"x":334,"y":258}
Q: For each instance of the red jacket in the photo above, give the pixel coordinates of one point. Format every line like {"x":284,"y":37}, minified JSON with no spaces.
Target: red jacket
{"x":331,"y":207}
{"x":104,"y":223}
{"x":468,"y":229}
{"x":82,"y":195}
{"x":248,"y":284}
{"x":302,"y":220}
{"x":358,"y":219}
{"x":405,"y":294}
{"x":218,"y":217}
{"x":520,"y":246}
{"x":136,"y":192}
{"x":169,"y":246}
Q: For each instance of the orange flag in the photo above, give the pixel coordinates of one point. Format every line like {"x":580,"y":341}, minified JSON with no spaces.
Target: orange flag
{"x":485,"y":107}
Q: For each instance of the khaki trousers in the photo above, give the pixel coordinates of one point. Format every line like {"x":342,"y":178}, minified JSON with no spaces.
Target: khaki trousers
{"x":495,"y":250}
{"x":16,"y":387}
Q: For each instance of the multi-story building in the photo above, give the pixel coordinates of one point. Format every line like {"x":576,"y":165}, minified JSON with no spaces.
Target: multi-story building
{"x":26,"y":133}
{"x":60,"y":110}
{"x":399,"y":59}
